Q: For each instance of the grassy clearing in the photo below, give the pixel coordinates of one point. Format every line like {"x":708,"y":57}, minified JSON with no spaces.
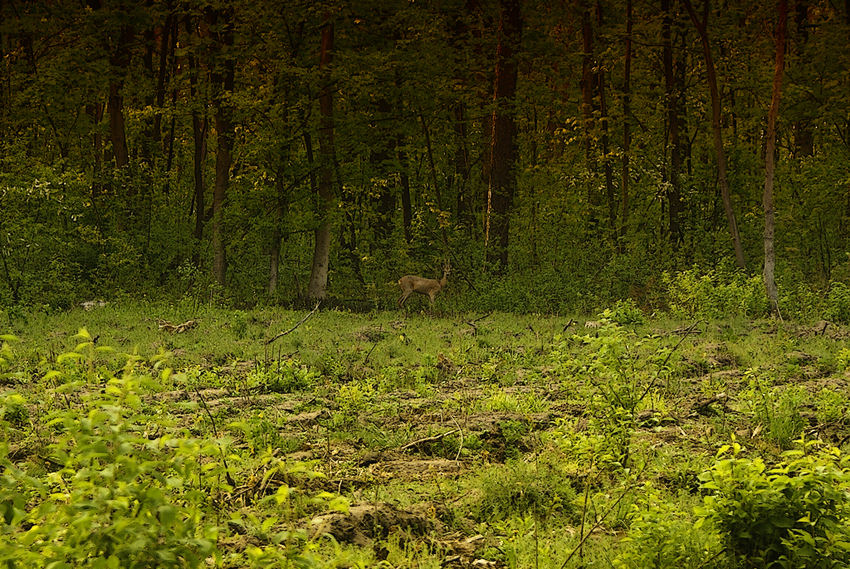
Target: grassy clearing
{"x":501,"y":440}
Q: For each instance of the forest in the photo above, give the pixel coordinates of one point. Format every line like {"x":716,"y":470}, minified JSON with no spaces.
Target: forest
{"x":628,"y":222}
{"x":560,"y":156}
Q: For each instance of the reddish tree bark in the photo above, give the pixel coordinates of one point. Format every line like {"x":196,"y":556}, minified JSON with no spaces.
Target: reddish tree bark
{"x":769,"y":161}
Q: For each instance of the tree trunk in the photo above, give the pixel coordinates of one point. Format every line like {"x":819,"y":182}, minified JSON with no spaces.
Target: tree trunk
{"x":199,"y":136}
{"x":223,"y":81}
{"x":95,"y":113}
{"x":503,"y":152}
{"x":379,"y":157}
{"x":119,"y":60}
{"x":769,"y":161}
{"x":117,"y":133}
{"x":277,"y":233}
{"x":317,"y":287}
{"x":199,"y":132}
{"x":672,"y":100}
{"x":166,"y":42}
{"x":169,"y":142}
{"x":627,"y":131}
{"x":606,"y":161}
{"x":804,"y":141}
{"x":460,"y":178}
{"x":716,"y":126}
{"x":587,"y":84}
{"x":404,"y":180}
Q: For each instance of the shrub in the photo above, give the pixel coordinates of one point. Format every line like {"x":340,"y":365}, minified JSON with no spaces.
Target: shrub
{"x":838,"y":303}
{"x":792,"y":515}
{"x":624,"y":313}
{"x":518,"y":488}
{"x":117,"y":499}
{"x":715,"y":294}
{"x":661,"y":537}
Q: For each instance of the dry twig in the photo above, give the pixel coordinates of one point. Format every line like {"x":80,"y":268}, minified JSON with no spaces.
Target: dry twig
{"x":429,"y":439}
{"x":302,"y":321}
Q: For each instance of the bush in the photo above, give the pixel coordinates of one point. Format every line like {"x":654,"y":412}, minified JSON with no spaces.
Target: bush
{"x":624,"y":313}
{"x":838,"y":303}
{"x":661,"y":537}
{"x":793,"y":515}
{"x":118,"y":492}
{"x":723,"y":293}
{"x":117,"y":498}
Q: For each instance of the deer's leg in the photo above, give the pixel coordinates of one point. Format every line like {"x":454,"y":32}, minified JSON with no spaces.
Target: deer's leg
{"x":402,"y":299}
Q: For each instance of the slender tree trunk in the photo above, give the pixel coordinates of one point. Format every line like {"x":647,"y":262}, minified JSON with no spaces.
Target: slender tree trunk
{"x":461,"y":168}
{"x":199,"y":132}
{"x":432,"y":167}
{"x":317,"y":287}
{"x":429,"y":151}
{"x":169,"y":142}
{"x":117,"y":133}
{"x":716,"y":127}
{"x":804,"y":142}
{"x":5,"y":81}
{"x":380,"y":152}
{"x":277,"y":233}
{"x":223,"y":78}
{"x":503,"y":144}
{"x":672,"y":102}
{"x":95,"y":112}
{"x":769,"y":161}
{"x":404,"y":180}
{"x":627,"y":131}
{"x":587,"y":84}
{"x":199,"y":137}
{"x":607,"y":167}
{"x":165,"y":43}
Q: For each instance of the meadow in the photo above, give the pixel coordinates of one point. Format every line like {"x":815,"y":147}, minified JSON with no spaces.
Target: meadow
{"x":281,"y":438}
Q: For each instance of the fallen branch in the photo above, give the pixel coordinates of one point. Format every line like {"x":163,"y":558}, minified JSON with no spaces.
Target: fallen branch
{"x":215,"y":434}
{"x":302,"y":321}
{"x":703,"y":406}
{"x":687,"y":332}
{"x":472,"y":322}
{"x":177,"y":328}
{"x":429,"y":439}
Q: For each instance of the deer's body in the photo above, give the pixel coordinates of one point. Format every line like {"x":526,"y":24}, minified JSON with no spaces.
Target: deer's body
{"x":427,"y":287}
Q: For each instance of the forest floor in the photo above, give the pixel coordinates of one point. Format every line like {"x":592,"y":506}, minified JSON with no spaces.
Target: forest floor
{"x":473,"y":440}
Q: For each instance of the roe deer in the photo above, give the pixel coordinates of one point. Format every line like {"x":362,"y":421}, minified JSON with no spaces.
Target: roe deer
{"x":429,"y":287}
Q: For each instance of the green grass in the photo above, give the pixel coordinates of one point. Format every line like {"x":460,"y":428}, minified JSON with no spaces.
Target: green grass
{"x":524,"y":440}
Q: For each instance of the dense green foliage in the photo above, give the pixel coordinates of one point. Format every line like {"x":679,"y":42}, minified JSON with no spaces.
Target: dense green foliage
{"x":84,"y":84}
